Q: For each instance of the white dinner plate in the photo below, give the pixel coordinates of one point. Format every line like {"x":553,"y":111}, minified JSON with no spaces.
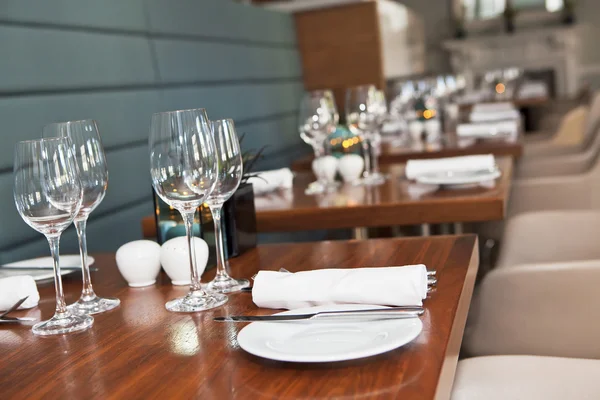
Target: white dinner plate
{"x":459,"y":177}
{"x":41,"y":275}
{"x":321,"y":341}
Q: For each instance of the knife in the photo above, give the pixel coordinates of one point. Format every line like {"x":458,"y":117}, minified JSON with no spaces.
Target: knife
{"x":43,"y":268}
{"x":376,"y":313}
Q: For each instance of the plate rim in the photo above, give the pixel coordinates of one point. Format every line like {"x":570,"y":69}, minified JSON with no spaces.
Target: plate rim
{"x":330,"y":358}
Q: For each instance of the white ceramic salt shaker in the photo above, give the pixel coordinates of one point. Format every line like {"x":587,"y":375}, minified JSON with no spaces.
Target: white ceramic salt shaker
{"x":433,"y":129}
{"x":416,"y":130}
{"x":174,"y":257}
{"x":325,"y":168}
{"x":351,"y":167}
{"x":139,"y":262}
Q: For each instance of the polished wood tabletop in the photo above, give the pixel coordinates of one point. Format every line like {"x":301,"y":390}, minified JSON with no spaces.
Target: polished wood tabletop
{"x":518,"y":102}
{"x":142,"y":351}
{"x":449,"y":146}
{"x":396,"y":202}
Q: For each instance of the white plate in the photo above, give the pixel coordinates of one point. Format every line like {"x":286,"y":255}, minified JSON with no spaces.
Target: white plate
{"x":459,"y":177}
{"x":320,"y":341}
{"x":41,"y":275}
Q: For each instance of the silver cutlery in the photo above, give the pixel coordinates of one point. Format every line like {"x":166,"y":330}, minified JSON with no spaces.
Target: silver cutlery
{"x":14,"y":307}
{"x":14,"y":320}
{"x":376,"y":313}
{"x":42,"y":268}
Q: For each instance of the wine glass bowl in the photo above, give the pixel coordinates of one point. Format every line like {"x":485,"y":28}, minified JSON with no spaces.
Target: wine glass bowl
{"x":229,"y":175}
{"x":48,"y":195}
{"x":183,"y":167}
{"x":90,"y":161}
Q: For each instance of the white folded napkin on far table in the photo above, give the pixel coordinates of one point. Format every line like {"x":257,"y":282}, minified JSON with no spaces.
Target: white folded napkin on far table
{"x":414,"y":168}
{"x":493,"y":107}
{"x":483,"y":116}
{"x":488,"y":129}
{"x":14,"y":288}
{"x":386,"y":286}
{"x":268,"y":181}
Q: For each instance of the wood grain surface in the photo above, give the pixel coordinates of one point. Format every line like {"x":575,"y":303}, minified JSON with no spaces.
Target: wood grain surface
{"x":396,"y":202}
{"x":142,"y":351}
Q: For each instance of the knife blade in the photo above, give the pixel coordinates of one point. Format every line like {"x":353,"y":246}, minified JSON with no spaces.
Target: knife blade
{"x":376,"y":313}
{"x":43,"y":268}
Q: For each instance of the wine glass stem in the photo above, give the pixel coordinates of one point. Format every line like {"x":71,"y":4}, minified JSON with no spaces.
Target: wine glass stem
{"x":61,"y":306}
{"x":374,"y":161}
{"x":88,"y":291}
{"x":366,"y":146}
{"x":221,"y":270}
{"x":188,"y":219}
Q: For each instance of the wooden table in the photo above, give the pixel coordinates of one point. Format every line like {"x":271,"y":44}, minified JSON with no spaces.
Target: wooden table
{"x":141,"y":351}
{"x":518,"y":102}
{"x":451,"y":146}
{"x":396,"y":202}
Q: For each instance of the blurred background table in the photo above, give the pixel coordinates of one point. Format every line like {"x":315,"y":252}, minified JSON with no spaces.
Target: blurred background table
{"x":450,"y":146}
{"x":140,"y":350}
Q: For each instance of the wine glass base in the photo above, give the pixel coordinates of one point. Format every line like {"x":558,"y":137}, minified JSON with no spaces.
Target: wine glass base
{"x":227,"y":285}
{"x":319,"y":188}
{"x":193,"y":302}
{"x":63,"y":323}
{"x":95,"y":305}
{"x":373,"y":180}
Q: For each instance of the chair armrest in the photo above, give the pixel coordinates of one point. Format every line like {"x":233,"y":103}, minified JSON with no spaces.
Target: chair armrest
{"x":550,"y":236}
{"x":571,"y":192}
{"x":558,"y":165}
{"x":544,"y":309}
{"x":547,"y":148}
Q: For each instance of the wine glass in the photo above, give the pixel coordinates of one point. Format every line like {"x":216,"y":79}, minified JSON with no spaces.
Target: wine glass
{"x":363,"y":116}
{"x":48,"y":196}
{"x":229,"y":175}
{"x":184,"y":173}
{"x":318,"y":118}
{"x":93,"y":174}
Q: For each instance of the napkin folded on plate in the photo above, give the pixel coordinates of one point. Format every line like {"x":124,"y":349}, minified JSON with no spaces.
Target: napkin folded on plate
{"x":268,"y":181}
{"x":483,"y":116}
{"x":493,"y":107}
{"x":386,"y":286}
{"x":488,"y":129}
{"x":14,"y":288}
{"x":414,"y":168}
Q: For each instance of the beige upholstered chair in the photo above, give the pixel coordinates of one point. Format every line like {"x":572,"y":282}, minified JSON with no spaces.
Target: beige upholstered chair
{"x":526,"y":378}
{"x":575,"y":134}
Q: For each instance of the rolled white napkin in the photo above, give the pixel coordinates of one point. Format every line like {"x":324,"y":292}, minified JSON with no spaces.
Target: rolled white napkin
{"x":389,"y":286}
{"x":268,"y":181}
{"x":494,"y":115}
{"x":493,"y":107}
{"x":14,"y":288}
{"x":533,"y":89}
{"x":489,"y":129}
{"x":415,"y":168}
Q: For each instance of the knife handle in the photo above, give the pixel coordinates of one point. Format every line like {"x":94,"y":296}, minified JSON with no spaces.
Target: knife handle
{"x":383,"y":313}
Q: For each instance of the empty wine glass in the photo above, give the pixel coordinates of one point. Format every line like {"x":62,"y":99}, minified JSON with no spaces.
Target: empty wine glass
{"x":48,"y":196}
{"x":229,"y":175}
{"x":318,"y":118}
{"x":184,"y":173}
{"x":93,"y":174}
{"x":363,"y":116}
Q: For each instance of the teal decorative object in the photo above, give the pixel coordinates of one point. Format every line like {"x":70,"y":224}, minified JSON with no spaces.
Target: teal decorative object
{"x":343,"y":141}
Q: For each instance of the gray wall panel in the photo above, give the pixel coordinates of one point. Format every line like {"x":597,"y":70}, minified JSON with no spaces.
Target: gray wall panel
{"x":211,"y":61}
{"x":112,"y":14}
{"x":220,"y":19}
{"x":42,"y":59}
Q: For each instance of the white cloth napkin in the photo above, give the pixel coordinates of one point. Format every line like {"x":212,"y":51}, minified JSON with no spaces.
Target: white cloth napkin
{"x":388,"y":286}
{"x":493,"y":107}
{"x":483,"y":116}
{"x":533,"y":89}
{"x":415,"y":168}
{"x":489,"y":129}
{"x":14,"y":288}
{"x":268,"y":181}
